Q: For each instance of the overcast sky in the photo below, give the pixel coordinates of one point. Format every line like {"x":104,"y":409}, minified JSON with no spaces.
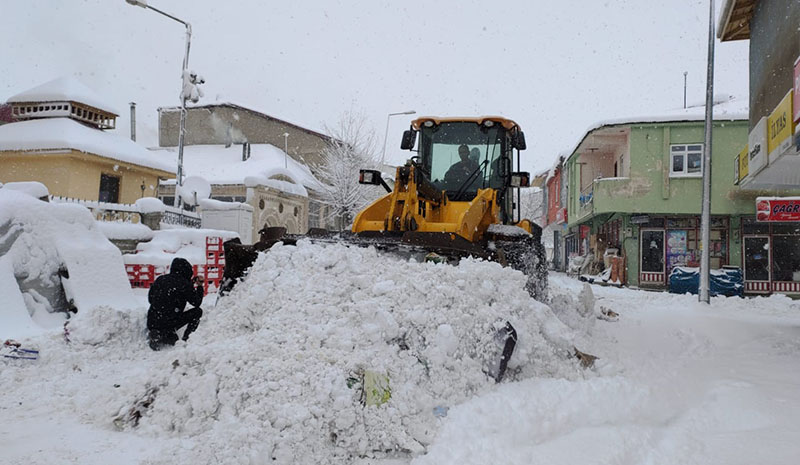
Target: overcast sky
{"x":554,"y":67}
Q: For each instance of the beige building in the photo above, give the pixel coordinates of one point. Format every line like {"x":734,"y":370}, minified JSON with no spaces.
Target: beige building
{"x":229,"y":123}
{"x":59,"y":138}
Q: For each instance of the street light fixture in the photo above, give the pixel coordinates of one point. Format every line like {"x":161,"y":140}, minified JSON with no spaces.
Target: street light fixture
{"x":184,"y":76}
{"x":383,"y":154}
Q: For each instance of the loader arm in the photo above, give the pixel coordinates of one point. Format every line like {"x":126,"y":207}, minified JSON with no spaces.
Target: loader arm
{"x":415,"y":205}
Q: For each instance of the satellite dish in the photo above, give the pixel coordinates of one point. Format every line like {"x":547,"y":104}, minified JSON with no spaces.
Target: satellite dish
{"x":194,"y":189}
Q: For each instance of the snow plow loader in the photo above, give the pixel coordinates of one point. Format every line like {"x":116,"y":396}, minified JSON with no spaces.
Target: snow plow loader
{"x":458,"y":196}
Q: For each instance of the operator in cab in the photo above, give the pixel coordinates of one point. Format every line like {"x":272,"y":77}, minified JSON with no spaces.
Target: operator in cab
{"x":457,"y":175}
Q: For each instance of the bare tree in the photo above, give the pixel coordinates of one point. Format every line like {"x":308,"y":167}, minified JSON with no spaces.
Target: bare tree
{"x":352,"y":147}
{"x":532,"y":204}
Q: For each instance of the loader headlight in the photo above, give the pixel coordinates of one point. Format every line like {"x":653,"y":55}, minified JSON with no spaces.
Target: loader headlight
{"x":488,"y":123}
{"x":428,"y":124}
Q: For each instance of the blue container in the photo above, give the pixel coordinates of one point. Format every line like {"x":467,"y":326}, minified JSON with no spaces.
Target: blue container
{"x":727,"y":281}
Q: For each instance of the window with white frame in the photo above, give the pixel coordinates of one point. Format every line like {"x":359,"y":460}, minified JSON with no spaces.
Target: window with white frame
{"x":686,"y":160}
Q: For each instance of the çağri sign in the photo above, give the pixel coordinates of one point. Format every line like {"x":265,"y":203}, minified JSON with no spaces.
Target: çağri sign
{"x":778,"y":209}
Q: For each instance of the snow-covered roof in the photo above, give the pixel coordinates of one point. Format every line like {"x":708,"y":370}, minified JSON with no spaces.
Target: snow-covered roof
{"x":221,"y":165}
{"x":65,"y":88}
{"x":726,"y":108}
{"x":64,"y":133}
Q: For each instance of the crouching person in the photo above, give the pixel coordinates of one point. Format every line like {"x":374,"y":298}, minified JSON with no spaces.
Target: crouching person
{"x":168,"y":297}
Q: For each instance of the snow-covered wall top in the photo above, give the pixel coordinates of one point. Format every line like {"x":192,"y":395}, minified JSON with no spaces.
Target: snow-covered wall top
{"x":168,"y":244}
{"x":65,"y":88}
{"x":64,"y":133}
{"x":221,"y":165}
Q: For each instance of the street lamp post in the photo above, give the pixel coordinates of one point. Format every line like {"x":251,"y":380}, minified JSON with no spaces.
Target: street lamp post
{"x":705,"y":212}
{"x":383,"y":153}
{"x":181,"y":134}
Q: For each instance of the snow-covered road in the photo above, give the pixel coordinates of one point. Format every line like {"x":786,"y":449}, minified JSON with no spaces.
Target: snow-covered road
{"x":678,"y":383}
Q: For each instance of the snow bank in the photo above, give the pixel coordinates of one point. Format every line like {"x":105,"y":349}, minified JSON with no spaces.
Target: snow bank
{"x":38,"y":239}
{"x":275,"y":372}
{"x":33,"y":188}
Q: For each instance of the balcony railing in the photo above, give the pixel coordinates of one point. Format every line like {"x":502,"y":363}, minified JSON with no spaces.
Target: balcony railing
{"x":586,"y":200}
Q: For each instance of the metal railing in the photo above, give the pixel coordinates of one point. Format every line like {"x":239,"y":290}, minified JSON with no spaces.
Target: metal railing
{"x":104,"y":211}
{"x":180,"y":217}
{"x":586,"y":200}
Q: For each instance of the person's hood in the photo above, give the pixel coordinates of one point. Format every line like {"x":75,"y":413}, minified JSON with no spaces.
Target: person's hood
{"x":182,"y":268}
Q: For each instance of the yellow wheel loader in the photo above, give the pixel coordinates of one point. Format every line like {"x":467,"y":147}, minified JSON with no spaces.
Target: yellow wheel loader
{"x":457,"y":196}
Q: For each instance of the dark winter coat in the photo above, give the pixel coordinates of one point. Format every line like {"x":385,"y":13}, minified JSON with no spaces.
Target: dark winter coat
{"x":169,"y":294}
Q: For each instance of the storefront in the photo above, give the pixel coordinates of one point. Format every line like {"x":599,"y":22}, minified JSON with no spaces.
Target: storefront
{"x":667,"y":242}
{"x":771,"y":254}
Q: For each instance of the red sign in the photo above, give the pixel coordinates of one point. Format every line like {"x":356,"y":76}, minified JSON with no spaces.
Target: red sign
{"x":797,"y":90}
{"x":561,"y":215}
{"x":778,"y":209}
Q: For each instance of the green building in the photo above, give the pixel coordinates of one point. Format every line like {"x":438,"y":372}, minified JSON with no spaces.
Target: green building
{"x":635,"y":184}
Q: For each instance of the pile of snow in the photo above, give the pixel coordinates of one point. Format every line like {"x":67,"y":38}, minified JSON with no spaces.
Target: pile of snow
{"x":150,"y":205}
{"x":167,"y":244}
{"x":125,"y":231}
{"x":37,"y":240}
{"x":275,"y":370}
{"x":33,"y":188}
{"x":64,"y":133}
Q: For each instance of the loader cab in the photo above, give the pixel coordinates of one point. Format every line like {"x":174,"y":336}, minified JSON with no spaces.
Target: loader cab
{"x":489,"y":142}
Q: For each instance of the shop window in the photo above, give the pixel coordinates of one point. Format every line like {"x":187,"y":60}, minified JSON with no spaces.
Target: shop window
{"x":786,"y":229}
{"x":686,"y":160}
{"x":109,"y":188}
{"x":756,"y":258}
{"x":786,"y":258}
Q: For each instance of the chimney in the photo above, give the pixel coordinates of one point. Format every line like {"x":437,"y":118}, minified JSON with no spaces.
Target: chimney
{"x":133,"y":121}
{"x":245,"y":151}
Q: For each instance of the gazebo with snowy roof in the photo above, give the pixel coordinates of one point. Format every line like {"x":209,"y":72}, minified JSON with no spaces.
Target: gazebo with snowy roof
{"x":63,"y":97}
{"x":59,"y":138}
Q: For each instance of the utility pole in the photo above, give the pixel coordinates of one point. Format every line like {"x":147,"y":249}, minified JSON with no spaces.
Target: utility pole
{"x":684,"y":88}
{"x":705,"y":218}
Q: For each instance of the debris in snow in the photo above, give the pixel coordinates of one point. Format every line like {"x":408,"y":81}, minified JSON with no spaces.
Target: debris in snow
{"x":608,"y":314}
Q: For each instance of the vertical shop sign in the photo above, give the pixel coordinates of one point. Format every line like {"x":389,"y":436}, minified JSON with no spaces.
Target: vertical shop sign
{"x":780,"y":128}
{"x":797,"y":91}
{"x":757,"y":143}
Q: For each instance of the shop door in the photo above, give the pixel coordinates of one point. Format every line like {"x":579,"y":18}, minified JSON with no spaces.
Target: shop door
{"x":651,"y":257}
{"x":757,"y":264}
